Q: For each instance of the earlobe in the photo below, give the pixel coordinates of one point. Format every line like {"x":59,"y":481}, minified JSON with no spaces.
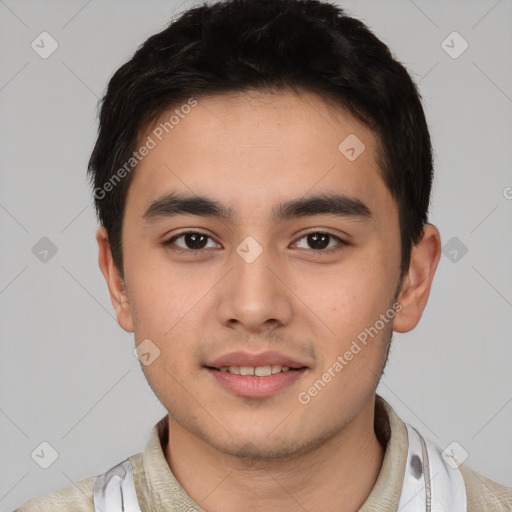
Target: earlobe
{"x":115,"y":283}
{"x":417,"y":282}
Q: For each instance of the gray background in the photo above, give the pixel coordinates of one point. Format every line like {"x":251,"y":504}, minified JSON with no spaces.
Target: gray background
{"x":68,"y":374}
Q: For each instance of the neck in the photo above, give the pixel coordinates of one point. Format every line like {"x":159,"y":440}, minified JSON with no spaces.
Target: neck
{"x":339,"y":474}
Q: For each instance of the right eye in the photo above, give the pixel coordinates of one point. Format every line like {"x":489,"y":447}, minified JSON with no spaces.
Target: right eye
{"x":190,"y":241}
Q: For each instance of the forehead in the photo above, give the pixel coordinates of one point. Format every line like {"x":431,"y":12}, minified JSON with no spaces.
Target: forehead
{"x":252,"y":149}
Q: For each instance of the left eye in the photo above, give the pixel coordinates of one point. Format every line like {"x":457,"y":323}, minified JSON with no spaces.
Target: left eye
{"x":320,"y":240}
{"x":192,"y":241}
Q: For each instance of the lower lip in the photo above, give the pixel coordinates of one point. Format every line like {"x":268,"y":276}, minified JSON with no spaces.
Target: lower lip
{"x":256,"y":387}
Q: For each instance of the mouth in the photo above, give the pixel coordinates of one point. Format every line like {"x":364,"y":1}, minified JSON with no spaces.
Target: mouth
{"x":255,"y":376}
{"x":256,"y":371}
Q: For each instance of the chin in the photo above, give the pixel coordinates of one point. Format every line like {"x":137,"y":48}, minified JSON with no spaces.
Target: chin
{"x":253,"y":448}
{"x":252,"y":452}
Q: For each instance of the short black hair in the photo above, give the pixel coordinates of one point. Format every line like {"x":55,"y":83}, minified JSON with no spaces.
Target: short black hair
{"x":270,"y":45}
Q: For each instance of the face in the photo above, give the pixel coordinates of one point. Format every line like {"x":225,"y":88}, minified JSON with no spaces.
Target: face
{"x":292,"y":255}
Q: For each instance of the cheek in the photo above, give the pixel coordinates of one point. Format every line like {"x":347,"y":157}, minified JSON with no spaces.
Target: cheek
{"x":351,"y":297}
{"x":351,"y":305}
{"x":168,"y":306}
{"x":164,"y":296}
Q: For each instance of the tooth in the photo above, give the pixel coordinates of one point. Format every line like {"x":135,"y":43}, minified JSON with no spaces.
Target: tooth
{"x":259,"y":371}
{"x":262,"y":371}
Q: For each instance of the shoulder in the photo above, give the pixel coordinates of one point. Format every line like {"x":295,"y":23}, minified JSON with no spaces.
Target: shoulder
{"x":484,"y":494}
{"x":76,"y":497}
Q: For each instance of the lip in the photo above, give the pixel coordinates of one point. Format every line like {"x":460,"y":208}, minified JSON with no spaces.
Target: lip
{"x":267,"y":358}
{"x":251,"y":386}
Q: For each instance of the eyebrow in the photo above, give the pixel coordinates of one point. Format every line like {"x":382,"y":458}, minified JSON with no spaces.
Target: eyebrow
{"x":321,"y":204}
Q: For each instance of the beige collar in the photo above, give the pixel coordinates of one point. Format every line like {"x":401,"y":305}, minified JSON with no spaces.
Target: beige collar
{"x":158,"y":489}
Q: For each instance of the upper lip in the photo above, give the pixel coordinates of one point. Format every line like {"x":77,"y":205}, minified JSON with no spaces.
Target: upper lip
{"x":253,"y":360}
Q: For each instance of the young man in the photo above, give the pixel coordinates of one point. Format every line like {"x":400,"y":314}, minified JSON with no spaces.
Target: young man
{"x":262,"y":177}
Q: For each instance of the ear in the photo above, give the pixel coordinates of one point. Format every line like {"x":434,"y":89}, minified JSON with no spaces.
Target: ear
{"x":418,"y":280}
{"x":115,"y":282}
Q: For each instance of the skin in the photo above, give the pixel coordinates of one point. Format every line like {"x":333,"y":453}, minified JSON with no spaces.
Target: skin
{"x":251,"y":152}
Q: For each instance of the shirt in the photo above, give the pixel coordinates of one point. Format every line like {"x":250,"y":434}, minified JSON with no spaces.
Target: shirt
{"x":158,"y":490}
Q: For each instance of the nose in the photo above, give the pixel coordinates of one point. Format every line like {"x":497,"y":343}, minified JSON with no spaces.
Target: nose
{"x":254,"y":296}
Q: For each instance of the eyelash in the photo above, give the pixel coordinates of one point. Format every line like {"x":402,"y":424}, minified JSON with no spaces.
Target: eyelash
{"x":169,"y":243}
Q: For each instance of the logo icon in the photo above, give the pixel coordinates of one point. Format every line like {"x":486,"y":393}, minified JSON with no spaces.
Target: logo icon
{"x":44,"y":250}
{"x":146,"y":352}
{"x":249,"y":249}
{"x":351,"y":147}
{"x":455,"y":455}
{"x":454,"y":249}
{"x":44,"y":455}
{"x":44,"y":45}
{"x":454,"y":45}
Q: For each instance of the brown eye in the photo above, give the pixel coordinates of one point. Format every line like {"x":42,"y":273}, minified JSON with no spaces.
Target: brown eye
{"x":194,"y":240}
{"x":191,"y":241}
{"x":320,"y":241}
